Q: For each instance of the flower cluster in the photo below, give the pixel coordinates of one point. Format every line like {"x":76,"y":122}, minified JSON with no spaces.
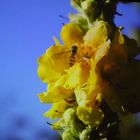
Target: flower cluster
{"x":95,"y":65}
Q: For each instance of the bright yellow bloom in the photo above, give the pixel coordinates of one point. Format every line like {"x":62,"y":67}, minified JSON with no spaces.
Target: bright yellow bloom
{"x":66,"y":81}
{"x":92,"y":76}
{"x":82,"y":72}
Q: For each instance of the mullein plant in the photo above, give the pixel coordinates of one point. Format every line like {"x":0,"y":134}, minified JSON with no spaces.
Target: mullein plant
{"x":93,"y":76}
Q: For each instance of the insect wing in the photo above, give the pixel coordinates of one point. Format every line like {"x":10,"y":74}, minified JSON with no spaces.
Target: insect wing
{"x":60,"y":55}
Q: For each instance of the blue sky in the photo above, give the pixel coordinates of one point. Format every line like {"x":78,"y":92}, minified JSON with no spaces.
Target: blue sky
{"x":26,"y":30}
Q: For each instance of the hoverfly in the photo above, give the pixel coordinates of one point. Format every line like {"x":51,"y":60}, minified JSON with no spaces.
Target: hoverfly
{"x":72,"y":56}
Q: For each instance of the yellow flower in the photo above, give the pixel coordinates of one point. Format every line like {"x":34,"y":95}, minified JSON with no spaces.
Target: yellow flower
{"x":87,"y":96}
{"x":66,"y":81}
{"x":90,"y":76}
{"x":119,"y":75}
{"x":88,"y":68}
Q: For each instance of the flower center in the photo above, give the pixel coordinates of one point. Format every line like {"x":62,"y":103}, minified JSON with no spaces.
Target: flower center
{"x":85,"y":53}
{"x":80,"y":54}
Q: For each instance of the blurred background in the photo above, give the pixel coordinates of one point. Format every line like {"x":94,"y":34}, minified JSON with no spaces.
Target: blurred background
{"x":26,"y":31}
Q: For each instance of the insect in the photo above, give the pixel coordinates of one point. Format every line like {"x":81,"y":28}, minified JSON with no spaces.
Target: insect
{"x":63,"y":55}
{"x":72,"y":55}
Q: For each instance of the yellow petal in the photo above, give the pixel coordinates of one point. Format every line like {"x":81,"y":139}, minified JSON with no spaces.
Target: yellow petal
{"x":59,"y":57}
{"x":53,"y":63}
{"x":56,"y":110}
{"x":77,"y":75}
{"x":92,"y":89}
{"x":96,"y":35}
{"x":100,"y":53}
{"x":57,"y":43}
{"x":55,"y":93}
{"x":102,"y":50}
{"x":71,"y":34}
{"x":46,"y":70}
{"x":119,"y":51}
